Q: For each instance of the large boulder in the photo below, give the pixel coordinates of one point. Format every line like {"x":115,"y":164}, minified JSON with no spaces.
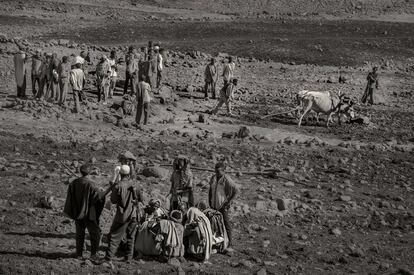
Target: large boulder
{"x":156,"y":172}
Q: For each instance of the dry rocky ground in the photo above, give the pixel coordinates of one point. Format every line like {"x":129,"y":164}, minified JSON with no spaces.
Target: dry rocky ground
{"x":348,"y":206}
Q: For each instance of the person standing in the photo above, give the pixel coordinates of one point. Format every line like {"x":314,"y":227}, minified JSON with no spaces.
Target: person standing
{"x":46,"y":77}
{"x":210,"y":78}
{"x":54,"y":82}
{"x":64,"y":73}
{"x":20,"y":71}
{"x":160,"y":65}
{"x":103,"y":72}
{"x":84,"y":204}
{"x":143,"y":102}
{"x":228,"y":71}
{"x":181,"y":183}
{"x":131,"y":73}
{"x":151,"y":70}
{"x":221,"y":194}
{"x":37,"y":64}
{"x":77,"y":80}
{"x":126,"y":198}
{"x":226,"y":97}
{"x":372,"y":83}
{"x":113,"y":63}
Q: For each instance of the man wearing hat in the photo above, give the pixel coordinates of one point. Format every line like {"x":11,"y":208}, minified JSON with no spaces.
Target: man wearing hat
{"x":126,"y":198}
{"x":226,"y":97}
{"x":372,"y":84}
{"x":84,"y":204}
{"x":221,"y":194}
{"x":103,"y":72}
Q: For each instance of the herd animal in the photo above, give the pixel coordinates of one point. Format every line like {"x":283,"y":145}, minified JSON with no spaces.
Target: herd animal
{"x":324,"y":102}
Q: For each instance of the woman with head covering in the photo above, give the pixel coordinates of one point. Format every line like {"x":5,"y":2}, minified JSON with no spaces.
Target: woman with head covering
{"x":198,"y":236}
{"x":181,"y":183}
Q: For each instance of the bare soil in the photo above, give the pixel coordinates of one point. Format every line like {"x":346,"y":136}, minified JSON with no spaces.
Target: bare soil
{"x":352,"y":211}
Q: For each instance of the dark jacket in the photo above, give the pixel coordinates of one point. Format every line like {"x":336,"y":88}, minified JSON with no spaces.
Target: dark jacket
{"x":123,"y":196}
{"x":84,"y":200}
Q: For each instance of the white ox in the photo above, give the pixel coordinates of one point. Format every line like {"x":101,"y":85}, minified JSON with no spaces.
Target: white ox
{"x":324,"y":102}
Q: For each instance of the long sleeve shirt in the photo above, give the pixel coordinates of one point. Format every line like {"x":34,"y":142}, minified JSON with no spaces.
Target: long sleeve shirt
{"x":77,"y":79}
{"x":221,"y":192}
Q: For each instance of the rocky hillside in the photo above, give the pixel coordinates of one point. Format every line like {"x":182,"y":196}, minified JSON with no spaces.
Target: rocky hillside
{"x":293,"y":7}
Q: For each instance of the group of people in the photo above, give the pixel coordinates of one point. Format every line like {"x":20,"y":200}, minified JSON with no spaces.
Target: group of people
{"x":51,"y":77}
{"x":187,"y":229}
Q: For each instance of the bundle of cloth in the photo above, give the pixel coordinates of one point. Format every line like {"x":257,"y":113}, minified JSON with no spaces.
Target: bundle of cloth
{"x":198,"y":236}
{"x":160,"y":234}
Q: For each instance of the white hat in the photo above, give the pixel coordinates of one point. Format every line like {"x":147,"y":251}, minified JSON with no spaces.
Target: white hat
{"x":125,"y":170}
{"x":156,"y":47}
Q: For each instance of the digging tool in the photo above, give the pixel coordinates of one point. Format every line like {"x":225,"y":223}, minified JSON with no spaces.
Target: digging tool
{"x":282,"y":113}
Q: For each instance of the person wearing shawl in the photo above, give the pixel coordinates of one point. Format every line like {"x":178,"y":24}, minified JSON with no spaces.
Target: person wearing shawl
{"x":84,"y":204}
{"x":198,"y":236}
{"x":37,"y":64}
{"x":126,"y":198}
{"x":221,"y":194}
{"x":181,"y":183}
{"x":20,"y":72}
{"x":103,"y":72}
{"x":210,"y":78}
{"x":54,"y":80}
{"x":169,"y":238}
{"x":154,"y":230}
{"x":220,"y":238}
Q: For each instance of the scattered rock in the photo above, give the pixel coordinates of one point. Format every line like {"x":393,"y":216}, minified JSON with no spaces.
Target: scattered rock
{"x":336,"y":232}
{"x":243,"y":132}
{"x":261,"y":272}
{"x":344,"y":198}
{"x":246,"y":263}
{"x":285,"y":204}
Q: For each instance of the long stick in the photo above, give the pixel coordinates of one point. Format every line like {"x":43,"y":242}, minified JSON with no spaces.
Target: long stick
{"x":276,"y":114}
{"x":67,"y":169}
{"x":265,"y":172}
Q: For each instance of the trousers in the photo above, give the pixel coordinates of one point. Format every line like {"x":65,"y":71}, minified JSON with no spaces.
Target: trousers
{"x":94,"y":235}
{"x":143,"y":109}
{"x":130,"y":80}
{"x":117,"y":231}
{"x":227,"y":223}
{"x":64,"y":86}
